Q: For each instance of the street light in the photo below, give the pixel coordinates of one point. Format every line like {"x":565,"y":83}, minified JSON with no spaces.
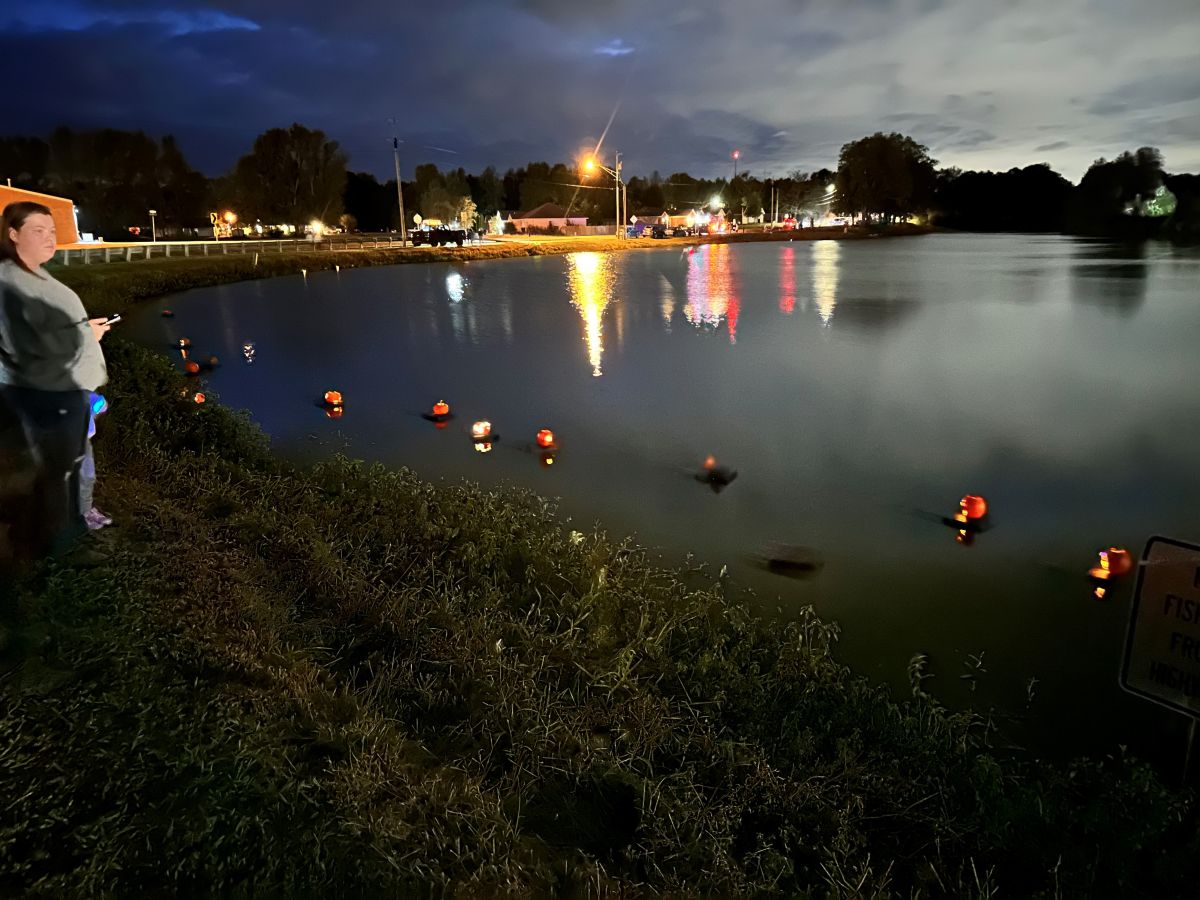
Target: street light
{"x":591,"y":164}
{"x":153,"y":229}
{"x":736,"y":154}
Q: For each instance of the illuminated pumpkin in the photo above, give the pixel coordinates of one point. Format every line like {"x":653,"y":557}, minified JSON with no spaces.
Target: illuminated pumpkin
{"x":192,"y":368}
{"x":973,"y":506}
{"x":1116,"y":561}
{"x":184,"y":343}
{"x":199,"y":397}
{"x":545,"y":438}
{"x":441,"y":408}
{"x":333,"y":398}
{"x":481,"y":430}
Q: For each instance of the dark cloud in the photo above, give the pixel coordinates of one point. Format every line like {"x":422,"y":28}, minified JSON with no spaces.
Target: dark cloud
{"x":505,"y":81}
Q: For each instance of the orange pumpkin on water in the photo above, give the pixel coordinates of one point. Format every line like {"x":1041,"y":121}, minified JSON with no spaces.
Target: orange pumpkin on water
{"x":545,"y":438}
{"x":333,"y":398}
{"x":441,"y":408}
{"x":973,"y":506}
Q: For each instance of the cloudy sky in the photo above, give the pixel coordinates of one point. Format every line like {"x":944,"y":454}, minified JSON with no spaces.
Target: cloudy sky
{"x":986,"y":84}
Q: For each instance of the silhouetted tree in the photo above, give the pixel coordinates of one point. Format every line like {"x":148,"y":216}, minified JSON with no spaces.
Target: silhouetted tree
{"x":890,"y":175}
{"x":24,"y":160}
{"x":292,"y":176}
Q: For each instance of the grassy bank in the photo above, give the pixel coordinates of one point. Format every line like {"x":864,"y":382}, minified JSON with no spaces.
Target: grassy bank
{"x":343,"y":680}
{"x":112,"y":287}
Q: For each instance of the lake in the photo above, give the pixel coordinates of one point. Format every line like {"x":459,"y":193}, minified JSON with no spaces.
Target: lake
{"x":859,"y":389}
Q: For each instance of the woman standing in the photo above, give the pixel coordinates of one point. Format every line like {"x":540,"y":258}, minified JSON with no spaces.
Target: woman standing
{"x":50,"y":359}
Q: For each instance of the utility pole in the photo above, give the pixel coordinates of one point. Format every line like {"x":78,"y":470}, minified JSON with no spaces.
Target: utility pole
{"x":399,"y":191}
{"x":617,"y":189}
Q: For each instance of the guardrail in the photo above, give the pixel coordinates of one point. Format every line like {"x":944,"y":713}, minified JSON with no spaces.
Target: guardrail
{"x":173,"y":249}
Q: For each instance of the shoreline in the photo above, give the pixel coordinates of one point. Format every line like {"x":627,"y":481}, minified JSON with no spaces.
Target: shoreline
{"x":382,"y":685}
{"x":113,"y":287}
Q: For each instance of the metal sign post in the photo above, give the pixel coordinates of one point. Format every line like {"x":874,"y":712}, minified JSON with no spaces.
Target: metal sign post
{"x":1162,"y":644}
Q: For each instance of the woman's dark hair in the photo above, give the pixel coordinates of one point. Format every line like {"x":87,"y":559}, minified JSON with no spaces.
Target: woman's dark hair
{"x":14,"y":216}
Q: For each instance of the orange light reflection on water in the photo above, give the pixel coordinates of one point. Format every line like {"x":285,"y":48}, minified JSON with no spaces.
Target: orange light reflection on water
{"x":590,"y":277}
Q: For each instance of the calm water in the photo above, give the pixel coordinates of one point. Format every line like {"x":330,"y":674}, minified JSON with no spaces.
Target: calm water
{"x":859,"y":389}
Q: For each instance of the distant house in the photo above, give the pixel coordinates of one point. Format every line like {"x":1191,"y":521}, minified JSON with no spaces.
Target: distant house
{"x":545,"y":216}
{"x":62,"y":211}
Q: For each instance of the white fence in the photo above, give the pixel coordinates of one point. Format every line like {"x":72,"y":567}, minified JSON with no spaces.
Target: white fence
{"x":173,"y":249}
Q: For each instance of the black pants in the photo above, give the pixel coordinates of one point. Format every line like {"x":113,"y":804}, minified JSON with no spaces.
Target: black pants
{"x":56,"y":426}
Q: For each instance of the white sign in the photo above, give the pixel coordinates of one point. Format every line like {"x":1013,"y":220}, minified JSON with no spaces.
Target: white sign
{"x":1162,"y":646}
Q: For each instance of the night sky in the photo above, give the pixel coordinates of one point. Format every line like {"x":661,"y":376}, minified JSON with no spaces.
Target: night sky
{"x":984,"y":83}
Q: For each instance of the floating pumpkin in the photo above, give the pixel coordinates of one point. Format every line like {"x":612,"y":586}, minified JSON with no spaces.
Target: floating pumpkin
{"x":545,"y":439}
{"x":191,"y":367}
{"x":199,"y":397}
{"x":333,"y":398}
{"x":1114,"y":562}
{"x":184,"y":343}
{"x":441,"y":408}
{"x":481,"y":430}
{"x":973,"y":506}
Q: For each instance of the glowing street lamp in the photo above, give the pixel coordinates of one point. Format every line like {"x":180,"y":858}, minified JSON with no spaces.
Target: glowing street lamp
{"x":153,"y":229}
{"x":715,"y":201}
{"x":591,"y":164}
{"x":736,"y":154}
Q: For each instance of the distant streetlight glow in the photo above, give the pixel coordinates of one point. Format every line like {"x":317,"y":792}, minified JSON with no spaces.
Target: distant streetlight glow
{"x":830,"y":188}
{"x":230,"y":217}
{"x":715,"y":202}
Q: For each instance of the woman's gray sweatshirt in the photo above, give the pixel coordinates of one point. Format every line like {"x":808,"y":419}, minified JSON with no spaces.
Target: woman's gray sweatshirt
{"x":45,"y":340}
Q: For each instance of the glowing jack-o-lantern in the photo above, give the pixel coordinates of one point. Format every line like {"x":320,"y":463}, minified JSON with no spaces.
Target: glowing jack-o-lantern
{"x":184,"y":343}
{"x":191,"y":367}
{"x":333,"y":398}
{"x":545,"y":439}
{"x":481,"y":430}
{"x":441,"y":408}
{"x":1114,"y":562}
{"x":199,"y":397}
{"x":973,"y":506}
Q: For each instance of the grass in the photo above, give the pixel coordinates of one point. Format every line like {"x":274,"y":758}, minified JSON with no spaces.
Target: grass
{"x":345,"y":681}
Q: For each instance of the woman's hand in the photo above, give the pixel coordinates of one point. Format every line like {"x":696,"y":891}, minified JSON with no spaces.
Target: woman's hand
{"x":100,"y":327}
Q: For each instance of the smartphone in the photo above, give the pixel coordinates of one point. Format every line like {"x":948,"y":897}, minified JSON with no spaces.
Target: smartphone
{"x":113,"y":320}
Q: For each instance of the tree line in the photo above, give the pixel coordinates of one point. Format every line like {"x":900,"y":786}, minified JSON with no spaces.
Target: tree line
{"x":295,"y":175}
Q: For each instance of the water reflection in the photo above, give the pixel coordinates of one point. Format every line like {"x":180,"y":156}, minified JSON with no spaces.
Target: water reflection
{"x":590,"y":277}
{"x":787,"y":280}
{"x":1112,"y":278}
{"x":712,"y":292}
{"x":455,"y":285}
{"x":825,"y":257}
{"x":666,"y":303}
{"x":870,"y":316}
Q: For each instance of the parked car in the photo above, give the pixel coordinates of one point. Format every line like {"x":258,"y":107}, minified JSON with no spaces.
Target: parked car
{"x":437,"y":237}
{"x":658,"y":231}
